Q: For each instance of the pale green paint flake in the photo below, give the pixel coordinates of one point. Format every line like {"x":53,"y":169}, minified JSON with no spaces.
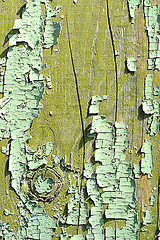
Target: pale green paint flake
{"x":133,"y":6}
{"x":38,"y":227}
{"x":43,"y":185}
{"x":78,"y":237}
{"x":151,"y":106}
{"x":154,"y":126}
{"x":152,"y":200}
{"x":7,"y":212}
{"x":136,"y":170}
{"x":52,"y":32}
{"x":49,"y":148}
{"x":94,"y":107}
{"x":49,"y":82}
{"x":147,"y":3}
{"x":152,"y":27}
{"x":132,"y":64}
{"x":156,"y":90}
{"x":147,"y":219}
{"x":88,"y":170}
{"x":147,"y":161}
{"x":73,"y":211}
{"x":56,"y":160}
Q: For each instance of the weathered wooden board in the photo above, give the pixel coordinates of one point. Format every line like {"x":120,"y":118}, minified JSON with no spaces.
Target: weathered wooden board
{"x":95,"y":68}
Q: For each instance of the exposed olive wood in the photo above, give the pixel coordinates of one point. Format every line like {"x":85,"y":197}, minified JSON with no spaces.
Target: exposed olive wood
{"x":94,"y":63}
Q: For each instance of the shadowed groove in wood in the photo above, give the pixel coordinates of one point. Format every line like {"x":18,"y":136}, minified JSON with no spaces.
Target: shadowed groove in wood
{"x":81,"y":116}
{"x":114,"y":53}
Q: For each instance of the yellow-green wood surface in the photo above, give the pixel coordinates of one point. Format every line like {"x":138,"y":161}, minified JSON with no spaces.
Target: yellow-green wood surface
{"x":94,"y":63}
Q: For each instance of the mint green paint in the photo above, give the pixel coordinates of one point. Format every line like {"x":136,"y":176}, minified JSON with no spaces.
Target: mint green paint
{"x":133,"y":6}
{"x":35,"y":158}
{"x":49,"y":82}
{"x":152,"y":200}
{"x":147,"y":219}
{"x":147,"y":3}
{"x":152,"y":27}
{"x":37,"y":227}
{"x":113,"y":178}
{"x":132,"y":64}
{"x":73,"y":212}
{"x":151,"y":106}
{"x":49,"y":148}
{"x":22,"y":91}
{"x":78,"y":237}
{"x":43,"y":185}
{"x":150,"y":64}
{"x":156,"y":90}
{"x":147,"y":161}
{"x":154,"y":126}
{"x":56,"y":160}
{"x":7,"y":212}
{"x":136,"y":170}
{"x":110,"y":182}
{"x":94,"y":107}
{"x":71,"y":189}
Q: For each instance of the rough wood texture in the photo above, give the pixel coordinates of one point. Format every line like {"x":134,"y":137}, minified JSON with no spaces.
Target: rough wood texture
{"x":94,"y":63}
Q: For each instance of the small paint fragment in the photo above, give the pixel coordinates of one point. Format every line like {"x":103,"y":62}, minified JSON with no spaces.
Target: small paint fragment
{"x":52,"y":32}
{"x":147,"y":161}
{"x":156,"y":91}
{"x":147,"y":3}
{"x":147,"y":219}
{"x":152,"y":200}
{"x":94,"y":107}
{"x":133,"y":6}
{"x":78,"y":237}
{"x":56,"y":160}
{"x":136,"y":170}
{"x":49,"y":82}
{"x":7,"y":192}
{"x":132,"y":64}
{"x":117,"y":53}
{"x":49,"y":148}
{"x":7,"y":212}
{"x":154,"y":126}
{"x":4,"y":150}
{"x":73,"y":212}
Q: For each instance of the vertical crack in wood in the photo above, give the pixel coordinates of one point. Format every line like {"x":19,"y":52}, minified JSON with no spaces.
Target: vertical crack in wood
{"x":81,"y":116}
{"x":114,"y":53}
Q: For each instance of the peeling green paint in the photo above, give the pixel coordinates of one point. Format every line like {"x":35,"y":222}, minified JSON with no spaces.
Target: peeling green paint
{"x":22,"y":88}
{"x":103,"y":140}
{"x":147,"y":161}
{"x":156,"y":90}
{"x":136,"y":170}
{"x":94,"y":107}
{"x":132,"y":64}
{"x":133,"y":4}
{"x":147,"y":218}
{"x":151,"y":106}
{"x":152,"y":200}
{"x":113,"y":178}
